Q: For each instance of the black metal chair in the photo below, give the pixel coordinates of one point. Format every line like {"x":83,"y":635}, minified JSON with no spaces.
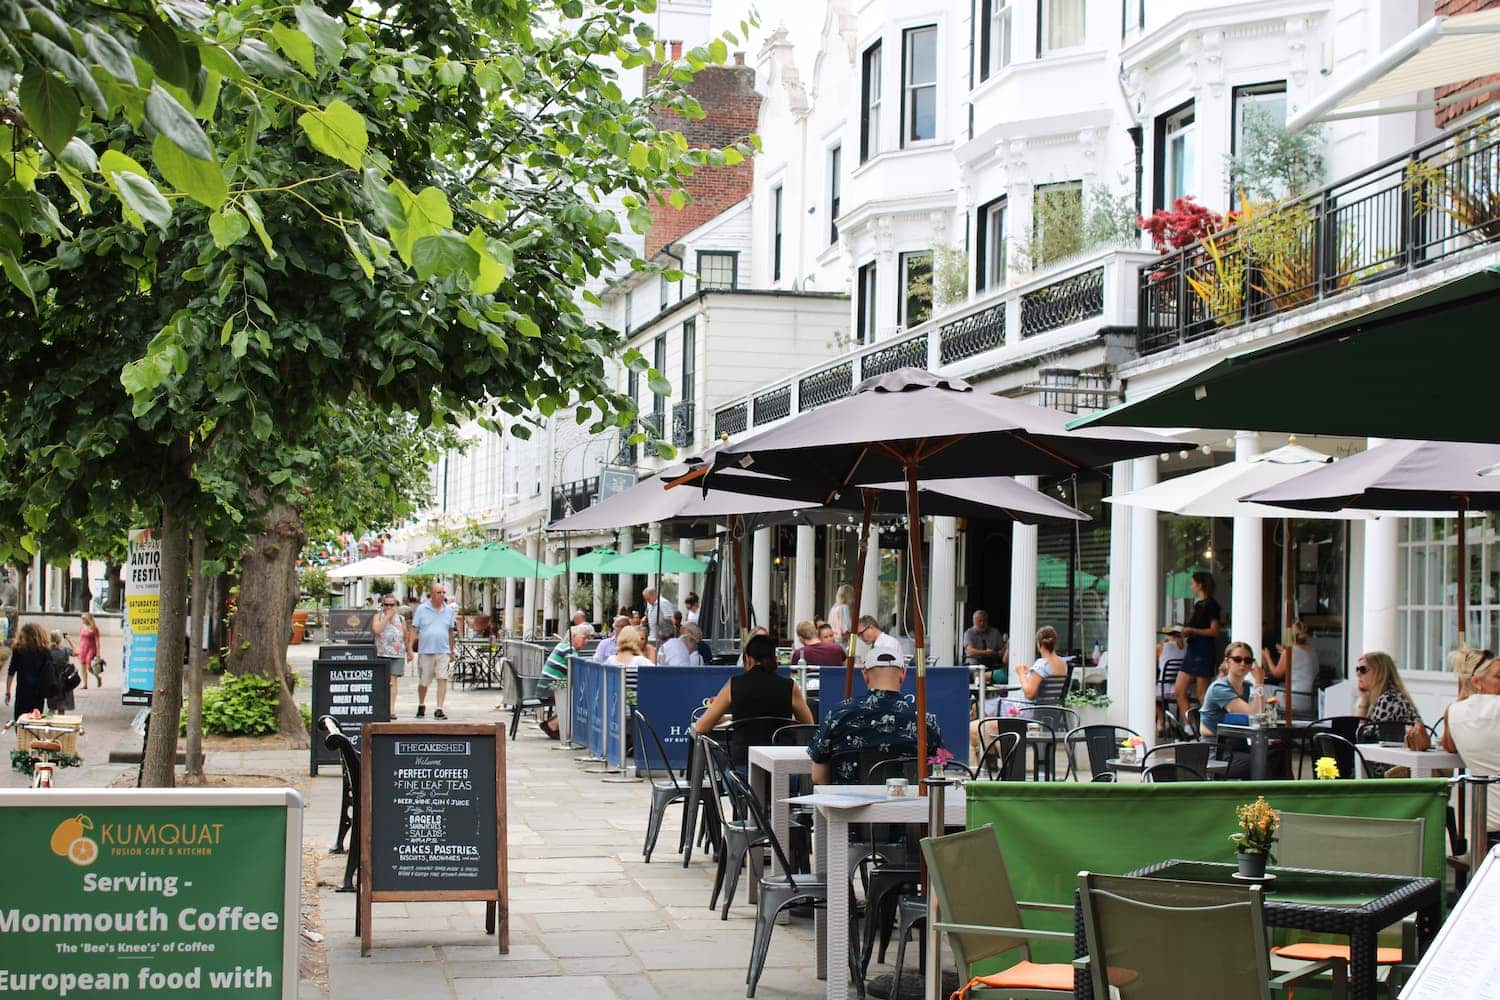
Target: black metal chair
{"x":664,"y":790}
{"x":1192,"y":755}
{"x":524,"y":697}
{"x":739,"y":829}
{"x":1003,"y":761}
{"x":1169,"y":770}
{"x":1345,"y":754}
{"x":794,"y":735}
{"x":1102,"y":742}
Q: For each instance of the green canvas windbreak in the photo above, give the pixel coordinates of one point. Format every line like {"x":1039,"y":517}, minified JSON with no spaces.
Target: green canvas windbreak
{"x":1050,"y":831}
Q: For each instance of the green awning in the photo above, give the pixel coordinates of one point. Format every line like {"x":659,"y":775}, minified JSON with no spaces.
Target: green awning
{"x":1423,"y":368}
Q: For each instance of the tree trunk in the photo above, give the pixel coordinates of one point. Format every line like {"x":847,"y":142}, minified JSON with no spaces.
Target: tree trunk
{"x":263,"y":610}
{"x":201,"y":614}
{"x":159,"y":766}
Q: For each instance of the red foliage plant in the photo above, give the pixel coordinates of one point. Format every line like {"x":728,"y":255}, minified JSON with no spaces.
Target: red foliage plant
{"x":1186,"y":222}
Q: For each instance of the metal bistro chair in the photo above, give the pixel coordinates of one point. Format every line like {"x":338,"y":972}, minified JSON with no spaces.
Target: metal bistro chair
{"x":524,"y":697}
{"x":1355,"y":844}
{"x":1003,"y":759}
{"x":664,"y":790}
{"x":1217,"y":937}
{"x":1052,"y":720}
{"x":1193,"y":756}
{"x":742,"y":733}
{"x":740,"y":830}
{"x":1102,"y":742}
{"x":1344,"y":753}
{"x":799,"y":830}
{"x":1169,"y":770}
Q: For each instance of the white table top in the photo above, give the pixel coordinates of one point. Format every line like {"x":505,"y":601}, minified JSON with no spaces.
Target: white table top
{"x":767,"y":756}
{"x":872,"y":804}
{"x":1423,"y":760}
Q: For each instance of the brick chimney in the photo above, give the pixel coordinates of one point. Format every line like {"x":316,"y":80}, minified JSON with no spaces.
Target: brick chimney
{"x":731,"y":112}
{"x":676,"y":49}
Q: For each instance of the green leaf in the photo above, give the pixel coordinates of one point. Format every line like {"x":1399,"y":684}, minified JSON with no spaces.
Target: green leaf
{"x":257,"y":223}
{"x":260,"y":425}
{"x":658,"y":384}
{"x":732,"y":156}
{"x":338,"y":131}
{"x":527,"y":327}
{"x":51,"y":107}
{"x":172,"y":60}
{"x":17,"y":275}
{"x":223,"y":62}
{"x":227,"y":227}
{"x":201,"y":180}
{"x":111,"y":55}
{"x":359,"y":257}
{"x":640,"y":156}
{"x":443,"y":254}
{"x":326,"y":33}
{"x":640,"y":219}
{"x":491,"y":271}
{"x":177,"y":123}
{"x":257,"y":55}
{"x":450,"y":74}
{"x":295,"y":46}
{"x":143,"y":198}
{"x":718,"y":51}
{"x":80,"y":156}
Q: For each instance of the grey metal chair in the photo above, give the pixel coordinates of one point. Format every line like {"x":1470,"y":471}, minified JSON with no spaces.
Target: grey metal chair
{"x":739,"y":831}
{"x":524,"y":697}
{"x":1101,"y":743}
{"x":1169,"y":770}
{"x":664,"y":790}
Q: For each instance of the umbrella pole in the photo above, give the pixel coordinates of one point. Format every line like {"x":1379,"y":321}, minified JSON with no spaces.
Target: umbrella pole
{"x":1290,"y":603}
{"x":859,"y":587}
{"x":659,"y":546}
{"x":918,"y":624}
{"x":1463,"y":566}
{"x":739,"y":579}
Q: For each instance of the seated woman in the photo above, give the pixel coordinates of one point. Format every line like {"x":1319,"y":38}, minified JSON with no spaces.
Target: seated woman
{"x":1237,"y":692}
{"x":1382,"y":696}
{"x":1471,"y":728}
{"x":759,"y":692}
{"x":1302,"y":661}
{"x":1028,"y":683}
{"x":630,"y":649}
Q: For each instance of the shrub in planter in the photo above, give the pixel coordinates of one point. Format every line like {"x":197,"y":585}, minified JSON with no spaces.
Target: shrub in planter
{"x":243,"y":705}
{"x":1091,"y":704}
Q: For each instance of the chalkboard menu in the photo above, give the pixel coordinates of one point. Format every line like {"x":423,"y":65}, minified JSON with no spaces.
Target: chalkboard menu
{"x":349,"y":652}
{"x":353,"y":692}
{"x":351,"y":624}
{"x":432,"y":799}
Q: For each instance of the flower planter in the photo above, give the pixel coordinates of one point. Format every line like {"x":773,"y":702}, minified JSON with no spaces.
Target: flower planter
{"x":1251,"y":865}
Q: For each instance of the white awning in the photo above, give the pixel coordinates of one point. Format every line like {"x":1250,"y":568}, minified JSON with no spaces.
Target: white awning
{"x":371,"y":567}
{"x":1443,"y":51}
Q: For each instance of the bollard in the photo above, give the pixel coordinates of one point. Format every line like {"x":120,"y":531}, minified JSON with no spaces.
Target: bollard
{"x":1479,"y":793}
{"x":937,"y":784}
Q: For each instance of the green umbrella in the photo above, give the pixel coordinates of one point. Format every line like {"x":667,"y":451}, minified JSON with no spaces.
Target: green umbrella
{"x":593,"y":560}
{"x":1373,"y":375}
{"x":653,"y":559}
{"x":496,"y":559}
{"x":438,"y":565}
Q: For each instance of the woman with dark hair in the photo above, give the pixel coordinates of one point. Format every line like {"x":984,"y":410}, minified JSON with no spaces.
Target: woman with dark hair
{"x":759,"y":692}
{"x":30,"y":671}
{"x":1200,"y":664}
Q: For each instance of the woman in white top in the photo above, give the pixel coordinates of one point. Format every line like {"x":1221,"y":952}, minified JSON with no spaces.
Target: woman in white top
{"x":1302,"y":660}
{"x":1047,"y":664}
{"x":628,"y":650}
{"x":840,"y":616}
{"x":1472,"y":727}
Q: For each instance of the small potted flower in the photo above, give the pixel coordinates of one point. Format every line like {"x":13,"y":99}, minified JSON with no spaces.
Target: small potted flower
{"x":937,"y":761}
{"x":1132,"y":749}
{"x":1326,"y":769}
{"x":1258,"y":826}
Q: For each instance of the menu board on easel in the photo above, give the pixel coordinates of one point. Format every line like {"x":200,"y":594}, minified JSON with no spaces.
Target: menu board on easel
{"x":1463,"y":962}
{"x":432,"y":801}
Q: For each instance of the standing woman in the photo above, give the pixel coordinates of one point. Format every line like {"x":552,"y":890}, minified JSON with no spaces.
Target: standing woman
{"x":63,"y":675}
{"x":30,"y":672}
{"x":88,"y":650}
{"x":390,"y":642}
{"x":840,"y":616}
{"x":1200,"y":663}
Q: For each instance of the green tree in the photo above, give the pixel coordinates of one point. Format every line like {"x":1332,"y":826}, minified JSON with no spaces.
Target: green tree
{"x":400,"y":206}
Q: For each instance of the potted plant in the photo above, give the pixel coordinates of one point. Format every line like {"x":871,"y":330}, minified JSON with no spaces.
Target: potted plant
{"x":1091,"y":704}
{"x":1258,"y":826}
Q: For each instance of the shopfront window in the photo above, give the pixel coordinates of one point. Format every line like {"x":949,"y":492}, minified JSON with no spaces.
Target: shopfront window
{"x":1427,"y":590}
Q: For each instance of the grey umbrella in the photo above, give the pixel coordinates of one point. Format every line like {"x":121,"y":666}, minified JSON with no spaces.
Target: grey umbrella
{"x":911,"y":424}
{"x":1402,"y":475}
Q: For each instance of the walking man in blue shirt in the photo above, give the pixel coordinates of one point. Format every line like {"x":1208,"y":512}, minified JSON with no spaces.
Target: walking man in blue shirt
{"x":432,"y":627}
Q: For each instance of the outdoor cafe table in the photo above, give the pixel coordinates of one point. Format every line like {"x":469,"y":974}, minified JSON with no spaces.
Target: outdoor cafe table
{"x":1261,"y":737}
{"x":1349,"y":904}
{"x":837,"y":807}
{"x":770,"y":767}
{"x":1422,"y":763}
{"x":1216,"y":768}
{"x":478,"y":662}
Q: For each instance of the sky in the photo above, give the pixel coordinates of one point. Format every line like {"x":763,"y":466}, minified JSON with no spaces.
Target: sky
{"x":803,"y":20}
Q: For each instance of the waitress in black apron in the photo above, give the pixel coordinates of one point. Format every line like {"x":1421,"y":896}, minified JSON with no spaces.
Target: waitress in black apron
{"x":1201,"y":661}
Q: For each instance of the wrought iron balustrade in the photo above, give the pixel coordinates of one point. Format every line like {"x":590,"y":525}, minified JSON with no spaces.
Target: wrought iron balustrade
{"x":973,"y":334}
{"x":570,"y":498}
{"x":732,"y":420}
{"x":682,"y":424}
{"x":1069,"y":300}
{"x":909,"y":353}
{"x":825,"y":386}
{"x":773,"y":405}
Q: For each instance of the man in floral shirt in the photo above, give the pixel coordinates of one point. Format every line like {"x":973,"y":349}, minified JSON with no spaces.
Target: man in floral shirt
{"x":881,"y":719}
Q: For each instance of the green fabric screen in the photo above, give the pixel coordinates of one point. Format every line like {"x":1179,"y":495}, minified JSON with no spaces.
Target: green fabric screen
{"x":1050,"y":831}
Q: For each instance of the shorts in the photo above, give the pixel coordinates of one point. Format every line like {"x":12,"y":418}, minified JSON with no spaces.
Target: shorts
{"x":430,"y":665}
{"x":395,"y":666}
{"x":1197,"y":665}
{"x":547,"y":687}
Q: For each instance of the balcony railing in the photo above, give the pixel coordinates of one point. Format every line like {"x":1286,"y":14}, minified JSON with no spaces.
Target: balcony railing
{"x":1097,"y":286}
{"x":682,"y":423}
{"x":1431,"y":202}
{"x":570,"y":498}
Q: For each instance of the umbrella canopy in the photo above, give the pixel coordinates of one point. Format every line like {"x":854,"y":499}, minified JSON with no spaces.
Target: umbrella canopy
{"x":490,"y":561}
{"x":654,"y":559}
{"x":371,"y":567}
{"x":435,"y":566}
{"x":1402,"y":475}
{"x":649,"y":501}
{"x":943,"y":424}
{"x":1373,"y":375}
{"x":591,"y":560}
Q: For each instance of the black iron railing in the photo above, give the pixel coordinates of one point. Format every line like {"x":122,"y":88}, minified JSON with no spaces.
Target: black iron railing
{"x":974,"y":334}
{"x":682,"y":424}
{"x":1071,"y":300}
{"x":732,"y":420}
{"x":825,"y":386}
{"x":909,"y":353}
{"x":570,"y":498}
{"x":773,"y":405}
{"x":1433,"y":201}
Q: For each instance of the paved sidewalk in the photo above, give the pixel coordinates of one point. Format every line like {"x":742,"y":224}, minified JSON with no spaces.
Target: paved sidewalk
{"x":588,"y":919}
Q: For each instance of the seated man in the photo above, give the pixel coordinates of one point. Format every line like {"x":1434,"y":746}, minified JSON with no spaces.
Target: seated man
{"x":681,"y":650}
{"x":611,"y":642}
{"x":555,"y":670}
{"x":880,"y":719}
{"x":815,"y":651}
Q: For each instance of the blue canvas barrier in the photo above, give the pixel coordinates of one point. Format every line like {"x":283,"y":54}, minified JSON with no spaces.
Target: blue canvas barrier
{"x":947,"y":699}
{"x":586,"y":695}
{"x":614,"y":704}
{"x":667,"y":696}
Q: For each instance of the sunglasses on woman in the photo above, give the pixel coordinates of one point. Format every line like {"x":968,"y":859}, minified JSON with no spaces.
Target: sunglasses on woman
{"x":1240,"y":659}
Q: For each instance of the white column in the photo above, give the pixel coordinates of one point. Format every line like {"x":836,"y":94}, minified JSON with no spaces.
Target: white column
{"x":528,"y":624}
{"x":549,"y":588}
{"x":1381,"y":563}
{"x":1246,"y":614}
{"x":1140,"y":702}
{"x":37,"y":584}
{"x":869,"y":587}
{"x":760,"y":578}
{"x":598,"y":609}
{"x":942,"y":605}
{"x":623,"y":597}
{"x":803,"y":584}
{"x":1121,"y":482}
{"x":1023,"y":588}
{"x":653,"y":537}
{"x":510,"y":603}
{"x":686,"y":582}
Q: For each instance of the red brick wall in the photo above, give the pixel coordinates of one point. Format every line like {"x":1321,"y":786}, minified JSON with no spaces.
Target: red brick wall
{"x":731,"y":109}
{"x":1444,"y":115}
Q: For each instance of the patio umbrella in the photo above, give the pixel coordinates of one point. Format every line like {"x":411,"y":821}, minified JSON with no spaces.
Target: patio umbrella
{"x":496,"y":559}
{"x":1372,"y":375}
{"x":371,"y":567}
{"x":1402,"y":476}
{"x":656,"y":559}
{"x":591,"y":560}
{"x":911,"y":424}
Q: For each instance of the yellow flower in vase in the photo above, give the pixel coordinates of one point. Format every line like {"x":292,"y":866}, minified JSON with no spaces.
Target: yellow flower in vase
{"x":1326,"y":769}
